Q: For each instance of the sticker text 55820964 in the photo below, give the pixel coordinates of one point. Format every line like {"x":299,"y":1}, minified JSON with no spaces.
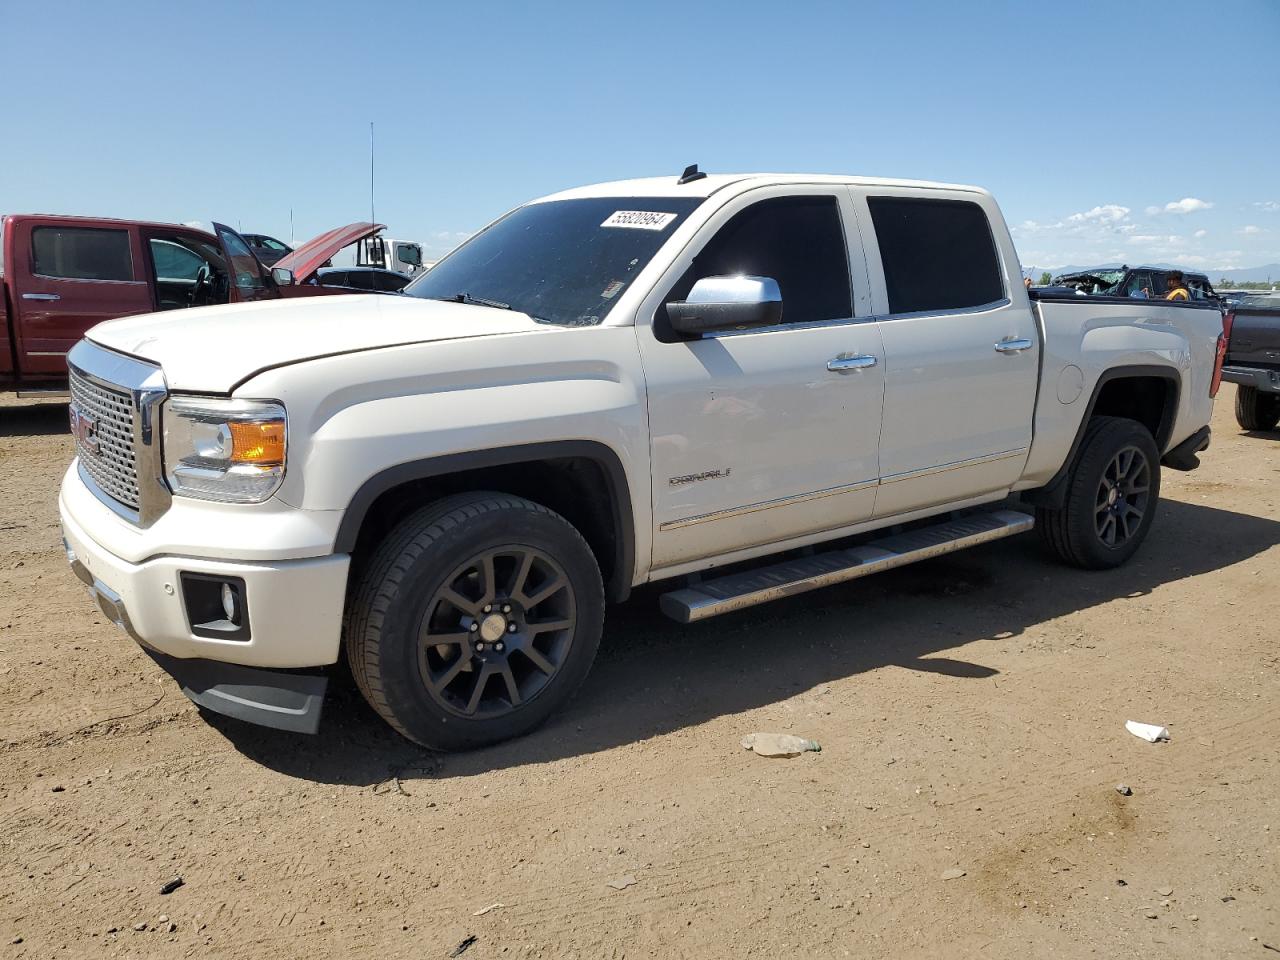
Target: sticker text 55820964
{"x":639,"y":219}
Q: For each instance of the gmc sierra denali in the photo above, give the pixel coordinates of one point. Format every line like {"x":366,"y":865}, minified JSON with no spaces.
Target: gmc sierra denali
{"x":650,"y":380}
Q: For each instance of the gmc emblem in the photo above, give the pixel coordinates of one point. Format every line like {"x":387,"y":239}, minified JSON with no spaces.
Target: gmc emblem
{"x":85,"y":429}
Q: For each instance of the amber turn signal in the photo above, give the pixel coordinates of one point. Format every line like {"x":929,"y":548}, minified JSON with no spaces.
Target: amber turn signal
{"x":260,"y":443}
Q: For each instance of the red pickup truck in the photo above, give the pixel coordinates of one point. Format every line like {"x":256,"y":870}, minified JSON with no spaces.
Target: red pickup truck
{"x":59,"y":276}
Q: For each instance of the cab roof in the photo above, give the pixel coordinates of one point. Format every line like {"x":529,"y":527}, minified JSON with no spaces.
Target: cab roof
{"x":715,"y":182}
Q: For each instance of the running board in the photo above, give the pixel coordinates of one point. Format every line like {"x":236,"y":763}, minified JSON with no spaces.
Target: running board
{"x":740,"y":590}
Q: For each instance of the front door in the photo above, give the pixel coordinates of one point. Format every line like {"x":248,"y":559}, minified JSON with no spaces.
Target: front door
{"x":961,"y":345}
{"x":764,"y":436}
{"x":68,"y":278}
{"x":249,"y":279}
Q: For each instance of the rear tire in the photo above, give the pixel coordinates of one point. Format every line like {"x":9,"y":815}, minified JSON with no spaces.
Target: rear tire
{"x":475,"y":620}
{"x":1256,"y":410}
{"x":1112,"y":492}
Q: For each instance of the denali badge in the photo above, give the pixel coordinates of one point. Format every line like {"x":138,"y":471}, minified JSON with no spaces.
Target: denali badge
{"x":85,"y":429}
{"x":705,"y":475}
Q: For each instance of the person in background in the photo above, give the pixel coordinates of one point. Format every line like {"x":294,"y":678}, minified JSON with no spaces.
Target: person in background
{"x":1026,"y":282}
{"x":1177,"y":290}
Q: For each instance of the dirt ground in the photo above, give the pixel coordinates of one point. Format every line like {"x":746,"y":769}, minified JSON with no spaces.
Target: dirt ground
{"x":971,"y":714}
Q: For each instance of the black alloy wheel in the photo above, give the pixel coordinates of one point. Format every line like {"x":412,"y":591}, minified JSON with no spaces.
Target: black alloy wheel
{"x":1123,"y":494}
{"x":496,"y":631}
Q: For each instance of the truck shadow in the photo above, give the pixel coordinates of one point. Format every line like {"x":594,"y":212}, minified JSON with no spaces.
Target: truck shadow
{"x":654,"y":676}
{"x":37,"y":420}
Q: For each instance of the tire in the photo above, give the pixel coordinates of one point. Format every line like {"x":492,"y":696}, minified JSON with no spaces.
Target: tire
{"x":496,"y":658}
{"x":1095,"y":528}
{"x":1256,"y":410}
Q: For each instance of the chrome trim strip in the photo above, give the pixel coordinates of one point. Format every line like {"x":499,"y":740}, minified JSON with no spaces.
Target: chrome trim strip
{"x":957,"y":312}
{"x":146,"y":386}
{"x":953,"y":465}
{"x":765,"y":505}
{"x":46,"y":353}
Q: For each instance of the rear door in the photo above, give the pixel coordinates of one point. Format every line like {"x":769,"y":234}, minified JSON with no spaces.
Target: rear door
{"x":67,"y":277}
{"x":962,"y":349}
{"x":249,"y":279}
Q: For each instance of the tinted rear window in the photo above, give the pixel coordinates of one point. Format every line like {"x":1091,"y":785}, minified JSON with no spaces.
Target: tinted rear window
{"x":937,"y":254}
{"x":81,"y":253}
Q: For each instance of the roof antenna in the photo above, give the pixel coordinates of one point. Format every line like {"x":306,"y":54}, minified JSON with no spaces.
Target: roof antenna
{"x":691,"y":173}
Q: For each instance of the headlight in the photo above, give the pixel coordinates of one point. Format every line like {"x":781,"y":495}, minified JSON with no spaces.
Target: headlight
{"x":229,"y":450}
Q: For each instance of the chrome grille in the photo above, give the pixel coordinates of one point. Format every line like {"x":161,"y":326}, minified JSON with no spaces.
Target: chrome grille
{"x":114,"y":467}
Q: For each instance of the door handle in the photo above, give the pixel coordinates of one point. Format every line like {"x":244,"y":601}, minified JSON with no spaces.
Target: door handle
{"x":1014,"y":346}
{"x":851,"y":364}
{"x":41,"y":296}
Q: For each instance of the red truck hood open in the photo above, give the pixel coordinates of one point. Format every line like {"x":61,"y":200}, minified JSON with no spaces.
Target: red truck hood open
{"x":313,"y":254}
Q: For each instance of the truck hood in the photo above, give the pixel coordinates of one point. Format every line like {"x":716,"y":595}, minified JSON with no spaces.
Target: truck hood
{"x":212,"y":349}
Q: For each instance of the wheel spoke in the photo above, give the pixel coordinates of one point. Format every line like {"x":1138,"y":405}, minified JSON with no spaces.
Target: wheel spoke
{"x":462,"y":603}
{"x":557,"y":584}
{"x":1108,"y":531}
{"x":538,"y":660}
{"x":545,"y":626}
{"x":522,"y":575}
{"x":455,"y":668}
{"x":1124,"y":461}
{"x":489,"y":580}
{"x":513,"y":692}
{"x":482,"y":681}
{"x":425,"y":636}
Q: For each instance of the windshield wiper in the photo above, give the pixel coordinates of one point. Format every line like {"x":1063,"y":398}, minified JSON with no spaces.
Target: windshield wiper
{"x":479,"y":301}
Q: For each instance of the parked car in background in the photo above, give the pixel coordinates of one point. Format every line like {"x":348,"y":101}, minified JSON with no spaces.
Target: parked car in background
{"x":1252,"y":325}
{"x":643,"y":381}
{"x":267,"y":249}
{"x":59,"y":276}
{"x":362,"y":279}
{"x":1137,"y":282}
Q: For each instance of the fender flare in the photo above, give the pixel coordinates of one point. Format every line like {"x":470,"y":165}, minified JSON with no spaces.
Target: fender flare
{"x":619,"y":585}
{"x":1053,"y":493}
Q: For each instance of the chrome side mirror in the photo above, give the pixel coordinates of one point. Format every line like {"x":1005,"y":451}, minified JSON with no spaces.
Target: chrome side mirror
{"x":282,"y":277}
{"x":727,"y":303}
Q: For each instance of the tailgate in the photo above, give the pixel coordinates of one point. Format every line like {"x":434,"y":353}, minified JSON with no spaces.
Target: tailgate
{"x":1255,"y":338}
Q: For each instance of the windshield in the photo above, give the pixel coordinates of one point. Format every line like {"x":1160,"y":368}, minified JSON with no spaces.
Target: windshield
{"x":563,"y":262}
{"x":1103,"y":279}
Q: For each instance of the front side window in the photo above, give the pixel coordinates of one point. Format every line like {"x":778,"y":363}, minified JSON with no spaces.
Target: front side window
{"x":81,"y":253}
{"x":409,"y":253}
{"x":937,"y":255}
{"x":797,"y":241}
{"x":174,"y":262}
{"x":562,"y":261}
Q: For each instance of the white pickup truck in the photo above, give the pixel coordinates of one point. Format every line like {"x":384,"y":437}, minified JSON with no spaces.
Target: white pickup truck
{"x":692,"y":380}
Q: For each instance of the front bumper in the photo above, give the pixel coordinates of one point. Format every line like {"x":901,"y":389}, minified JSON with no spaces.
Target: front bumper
{"x":293,"y":610}
{"x":1268,"y":381}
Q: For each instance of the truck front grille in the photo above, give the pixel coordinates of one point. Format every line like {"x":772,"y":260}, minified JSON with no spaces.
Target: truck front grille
{"x":104,"y":441}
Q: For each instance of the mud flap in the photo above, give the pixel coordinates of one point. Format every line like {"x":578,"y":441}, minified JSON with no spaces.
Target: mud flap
{"x":281,"y":699}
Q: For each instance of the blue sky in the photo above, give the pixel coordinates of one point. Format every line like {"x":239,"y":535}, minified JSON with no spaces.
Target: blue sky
{"x":1087,"y":120}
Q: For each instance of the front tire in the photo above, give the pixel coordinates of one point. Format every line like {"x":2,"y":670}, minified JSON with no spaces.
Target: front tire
{"x":475,"y":620}
{"x":1112,"y":492}
{"x":1256,"y":410}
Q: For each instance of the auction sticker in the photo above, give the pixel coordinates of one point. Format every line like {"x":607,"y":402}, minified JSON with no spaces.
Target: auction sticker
{"x":639,"y":219}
